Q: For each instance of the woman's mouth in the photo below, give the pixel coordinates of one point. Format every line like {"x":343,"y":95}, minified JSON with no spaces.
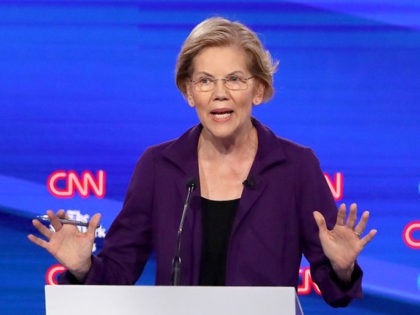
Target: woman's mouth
{"x":221,"y":115}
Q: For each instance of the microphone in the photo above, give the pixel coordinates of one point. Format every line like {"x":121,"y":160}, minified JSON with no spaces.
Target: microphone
{"x":249,"y":182}
{"x":176,"y":261}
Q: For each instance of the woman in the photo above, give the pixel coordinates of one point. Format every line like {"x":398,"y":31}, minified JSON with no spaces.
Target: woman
{"x":252,"y":214}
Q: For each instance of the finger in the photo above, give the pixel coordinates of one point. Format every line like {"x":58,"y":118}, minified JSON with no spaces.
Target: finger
{"x":93,"y":224}
{"x":369,"y":237}
{"x":351,"y":220}
{"x":341,"y":215}
{"x":54,"y":220}
{"x":360,"y":227}
{"x":61,"y":214}
{"x":42,"y":228}
{"x":37,"y":241}
{"x":320,"y":221}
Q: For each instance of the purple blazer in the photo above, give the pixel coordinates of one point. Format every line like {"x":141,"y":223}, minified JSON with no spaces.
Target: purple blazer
{"x":273,"y":226}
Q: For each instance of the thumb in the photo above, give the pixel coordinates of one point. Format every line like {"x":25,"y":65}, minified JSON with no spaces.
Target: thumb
{"x":320,"y":221}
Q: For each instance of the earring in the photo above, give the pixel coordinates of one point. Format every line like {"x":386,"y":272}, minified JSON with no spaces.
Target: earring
{"x":191,"y":103}
{"x":257,"y":101}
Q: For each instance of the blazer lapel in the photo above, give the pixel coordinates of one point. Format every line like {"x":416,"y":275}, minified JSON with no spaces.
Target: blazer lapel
{"x":269,"y":154}
{"x":183,"y":155}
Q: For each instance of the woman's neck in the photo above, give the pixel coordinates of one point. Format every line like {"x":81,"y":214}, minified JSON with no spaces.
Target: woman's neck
{"x":242,"y":144}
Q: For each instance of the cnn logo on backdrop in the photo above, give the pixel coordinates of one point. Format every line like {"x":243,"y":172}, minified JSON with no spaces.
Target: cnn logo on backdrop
{"x":409,"y":235}
{"x":64,"y":184}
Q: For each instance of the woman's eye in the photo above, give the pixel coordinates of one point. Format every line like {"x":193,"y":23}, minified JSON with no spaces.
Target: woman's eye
{"x":205,"y":80}
{"x":233,"y":78}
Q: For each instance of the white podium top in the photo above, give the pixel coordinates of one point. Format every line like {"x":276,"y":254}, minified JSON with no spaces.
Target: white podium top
{"x":160,"y":300}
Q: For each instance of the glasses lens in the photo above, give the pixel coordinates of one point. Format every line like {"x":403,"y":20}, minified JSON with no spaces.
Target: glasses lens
{"x":235,"y":82}
{"x":204,"y":84}
{"x":205,"y":87}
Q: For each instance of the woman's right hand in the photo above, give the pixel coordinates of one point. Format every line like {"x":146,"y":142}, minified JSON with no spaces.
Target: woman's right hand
{"x":72,"y":248}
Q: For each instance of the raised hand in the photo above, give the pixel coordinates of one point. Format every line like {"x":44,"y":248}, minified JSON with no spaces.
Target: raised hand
{"x":72,"y":248}
{"x":344,"y":243}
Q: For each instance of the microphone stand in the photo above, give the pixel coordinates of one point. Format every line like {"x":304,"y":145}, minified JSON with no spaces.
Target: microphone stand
{"x":176,"y":261}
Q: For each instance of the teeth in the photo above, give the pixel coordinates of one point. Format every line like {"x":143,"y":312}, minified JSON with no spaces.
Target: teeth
{"x":222,"y":115}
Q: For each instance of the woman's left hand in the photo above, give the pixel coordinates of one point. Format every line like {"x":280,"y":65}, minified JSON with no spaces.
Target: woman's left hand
{"x":344,"y":243}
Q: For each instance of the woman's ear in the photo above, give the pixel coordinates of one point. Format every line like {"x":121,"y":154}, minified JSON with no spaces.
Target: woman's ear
{"x":259,"y":94}
{"x":189,"y":95}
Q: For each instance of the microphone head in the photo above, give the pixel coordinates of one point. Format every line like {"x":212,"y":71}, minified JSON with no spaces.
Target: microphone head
{"x":191,"y":183}
{"x":249,"y":182}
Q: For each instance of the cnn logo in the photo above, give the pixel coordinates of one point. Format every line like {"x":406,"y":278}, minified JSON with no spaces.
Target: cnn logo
{"x":336,"y":185}
{"x":408,"y":235}
{"x":64,"y":184}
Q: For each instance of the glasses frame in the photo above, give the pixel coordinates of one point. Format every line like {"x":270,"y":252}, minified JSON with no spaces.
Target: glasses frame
{"x":196,"y":84}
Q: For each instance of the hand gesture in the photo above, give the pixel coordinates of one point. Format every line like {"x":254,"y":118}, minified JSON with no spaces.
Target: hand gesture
{"x":72,"y":248}
{"x":343,"y":243}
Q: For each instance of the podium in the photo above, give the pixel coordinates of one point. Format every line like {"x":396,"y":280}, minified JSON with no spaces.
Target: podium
{"x":166,"y":300}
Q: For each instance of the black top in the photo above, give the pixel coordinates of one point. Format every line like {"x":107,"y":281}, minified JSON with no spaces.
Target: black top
{"x":217,"y":224}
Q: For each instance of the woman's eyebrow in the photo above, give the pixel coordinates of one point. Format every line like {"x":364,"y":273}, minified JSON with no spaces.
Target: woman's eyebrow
{"x":210,"y":75}
{"x":205,"y":73}
{"x":236,"y":72}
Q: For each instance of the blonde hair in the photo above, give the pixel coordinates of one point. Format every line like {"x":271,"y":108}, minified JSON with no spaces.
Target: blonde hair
{"x":218,"y":32}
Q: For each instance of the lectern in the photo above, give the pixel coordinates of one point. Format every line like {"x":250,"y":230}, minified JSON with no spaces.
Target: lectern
{"x":166,"y":300}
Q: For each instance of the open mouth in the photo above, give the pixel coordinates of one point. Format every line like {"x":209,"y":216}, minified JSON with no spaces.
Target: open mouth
{"x":222,"y":114}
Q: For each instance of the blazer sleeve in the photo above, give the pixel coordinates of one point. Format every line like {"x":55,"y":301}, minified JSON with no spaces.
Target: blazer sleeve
{"x":128,"y":242}
{"x":314,"y":194}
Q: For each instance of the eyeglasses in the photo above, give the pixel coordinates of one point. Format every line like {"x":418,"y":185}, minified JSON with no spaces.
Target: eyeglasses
{"x":232,"y":82}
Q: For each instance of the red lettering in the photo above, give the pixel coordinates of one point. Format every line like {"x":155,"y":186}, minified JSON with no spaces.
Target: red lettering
{"x":307,"y":284}
{"x":408,"y":238}
{"x":53,"y":272}
{"x":52,"y":184}
{"x":85,"y":185}
{"x":336,"y":185}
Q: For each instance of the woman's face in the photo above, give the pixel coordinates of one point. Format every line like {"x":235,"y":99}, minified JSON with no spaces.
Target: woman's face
{"x":223,"y":112}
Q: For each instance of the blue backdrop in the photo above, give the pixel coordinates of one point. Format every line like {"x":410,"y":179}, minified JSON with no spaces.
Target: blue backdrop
{"x":88,"y":85}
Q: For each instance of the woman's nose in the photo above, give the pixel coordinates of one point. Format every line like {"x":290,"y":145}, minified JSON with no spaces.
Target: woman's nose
{"x":220,"y":90}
